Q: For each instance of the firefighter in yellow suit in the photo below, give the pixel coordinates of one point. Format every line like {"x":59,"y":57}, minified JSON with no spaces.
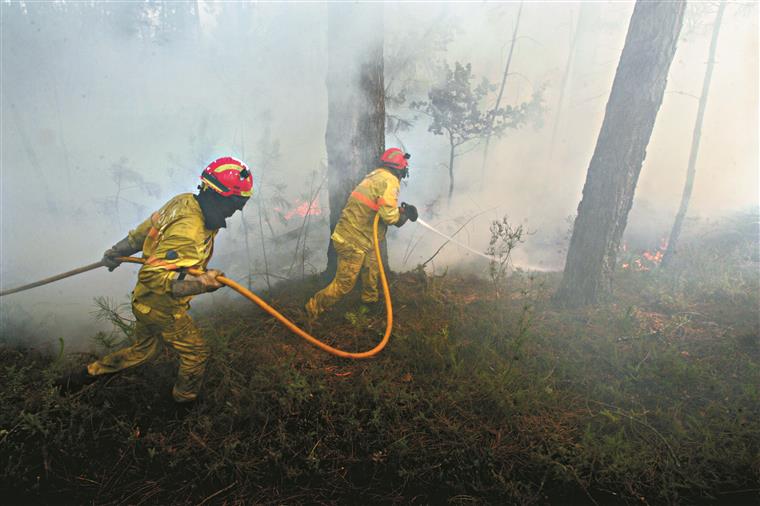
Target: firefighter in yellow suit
{"x":353,"y":234}
{"x":177,"y":237}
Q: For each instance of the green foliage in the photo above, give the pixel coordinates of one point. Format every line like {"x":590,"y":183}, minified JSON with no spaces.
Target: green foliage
{"x":123,"y":326}
{"x":456,"y":108}
{"x":504,"y":239}
{"x":358,"y":319}
{"x":458,"y":111}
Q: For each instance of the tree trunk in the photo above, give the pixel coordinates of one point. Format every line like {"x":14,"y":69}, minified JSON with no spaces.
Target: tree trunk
{"x":249,"y":260}
{"x":498,"y":98}
{"x":675,"y":233}
{"x":355,"y":135}
{"x":635,"y":98}
{"x":451,"y":172}
{"x":568,"y":66}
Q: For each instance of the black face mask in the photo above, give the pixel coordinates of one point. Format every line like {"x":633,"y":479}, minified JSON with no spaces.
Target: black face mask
{"x":217,"y":208}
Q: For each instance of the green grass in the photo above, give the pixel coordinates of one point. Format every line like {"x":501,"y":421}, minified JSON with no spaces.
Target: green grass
{"x":653,"y":398}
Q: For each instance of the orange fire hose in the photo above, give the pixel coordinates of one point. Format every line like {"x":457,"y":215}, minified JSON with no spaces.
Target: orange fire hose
{"x":266,"y":307}
{"x":295,"y":328}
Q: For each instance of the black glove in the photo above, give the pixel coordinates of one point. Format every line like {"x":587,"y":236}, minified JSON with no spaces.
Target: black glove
{"x":120,"y":249}
{"x":410,"y":211}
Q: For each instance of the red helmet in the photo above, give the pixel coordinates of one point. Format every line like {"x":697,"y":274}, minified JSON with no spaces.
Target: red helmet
{"x":228,"y":176}
{"x":394,"y":158}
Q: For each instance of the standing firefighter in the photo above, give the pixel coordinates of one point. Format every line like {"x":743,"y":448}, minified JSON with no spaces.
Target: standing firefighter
{"x":177,"y":237}
{"x":353,"y":235}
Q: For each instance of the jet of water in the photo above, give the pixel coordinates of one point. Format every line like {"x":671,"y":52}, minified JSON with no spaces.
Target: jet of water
{"x":433,"y":229}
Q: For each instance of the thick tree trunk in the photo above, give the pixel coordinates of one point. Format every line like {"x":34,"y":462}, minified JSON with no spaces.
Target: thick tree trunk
{"x":635,"y":98}
{"x":675,"y":233}
{"x":355,"y":135}
{"x":498,"y":98}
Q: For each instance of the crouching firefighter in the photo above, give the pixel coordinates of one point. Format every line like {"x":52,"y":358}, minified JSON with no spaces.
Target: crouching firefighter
{"x":177,"y":237}
{"x":353,"y":234}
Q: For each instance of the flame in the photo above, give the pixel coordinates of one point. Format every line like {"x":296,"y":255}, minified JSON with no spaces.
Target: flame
{"x":653,"y":257}
{"x":304,"y":209}
{"x":648,"y":259}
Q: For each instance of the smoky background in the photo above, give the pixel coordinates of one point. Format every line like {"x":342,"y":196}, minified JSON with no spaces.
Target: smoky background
{"x":109,"y":110}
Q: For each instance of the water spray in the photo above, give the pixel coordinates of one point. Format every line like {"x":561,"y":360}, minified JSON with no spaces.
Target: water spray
{"x":451,"y":239}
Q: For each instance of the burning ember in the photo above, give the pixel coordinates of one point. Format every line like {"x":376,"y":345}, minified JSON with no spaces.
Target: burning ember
{"x":303,"y":209}
{"x":648,"y":259}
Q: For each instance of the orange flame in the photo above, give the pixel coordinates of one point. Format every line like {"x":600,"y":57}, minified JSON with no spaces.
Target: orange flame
{"x":304,"y":209}
{"x":648,"y":259}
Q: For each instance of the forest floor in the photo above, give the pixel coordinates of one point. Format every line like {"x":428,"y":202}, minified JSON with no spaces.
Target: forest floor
{"x":650,"y":398}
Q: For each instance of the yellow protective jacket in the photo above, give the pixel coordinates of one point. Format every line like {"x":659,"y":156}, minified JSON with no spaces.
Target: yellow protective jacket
{"x":377,"y":193}
{"x":173,"y":238}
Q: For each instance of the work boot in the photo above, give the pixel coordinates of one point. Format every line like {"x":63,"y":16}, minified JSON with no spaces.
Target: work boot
{"x":75,"y":381}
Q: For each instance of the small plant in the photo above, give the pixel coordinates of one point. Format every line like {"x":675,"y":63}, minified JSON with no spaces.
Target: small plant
{"x":358,"y":319}
{"x":504,"y":239}
{"x":110,"y":311}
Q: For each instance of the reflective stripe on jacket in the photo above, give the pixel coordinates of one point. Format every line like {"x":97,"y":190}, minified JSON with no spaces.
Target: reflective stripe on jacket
{"x":377,"y":193}
{"x":173,"y":238}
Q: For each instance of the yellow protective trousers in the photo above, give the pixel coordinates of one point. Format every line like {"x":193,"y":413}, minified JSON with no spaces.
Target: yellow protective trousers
{"x":351,"y":261}
{"x":152,"y":329}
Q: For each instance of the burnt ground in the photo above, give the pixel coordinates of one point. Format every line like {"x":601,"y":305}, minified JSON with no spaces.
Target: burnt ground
{"x":650,"y":398}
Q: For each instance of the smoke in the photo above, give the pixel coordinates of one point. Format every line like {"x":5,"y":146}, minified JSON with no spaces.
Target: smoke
{"x":539,"y":184}
{"x":110,"y":109}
